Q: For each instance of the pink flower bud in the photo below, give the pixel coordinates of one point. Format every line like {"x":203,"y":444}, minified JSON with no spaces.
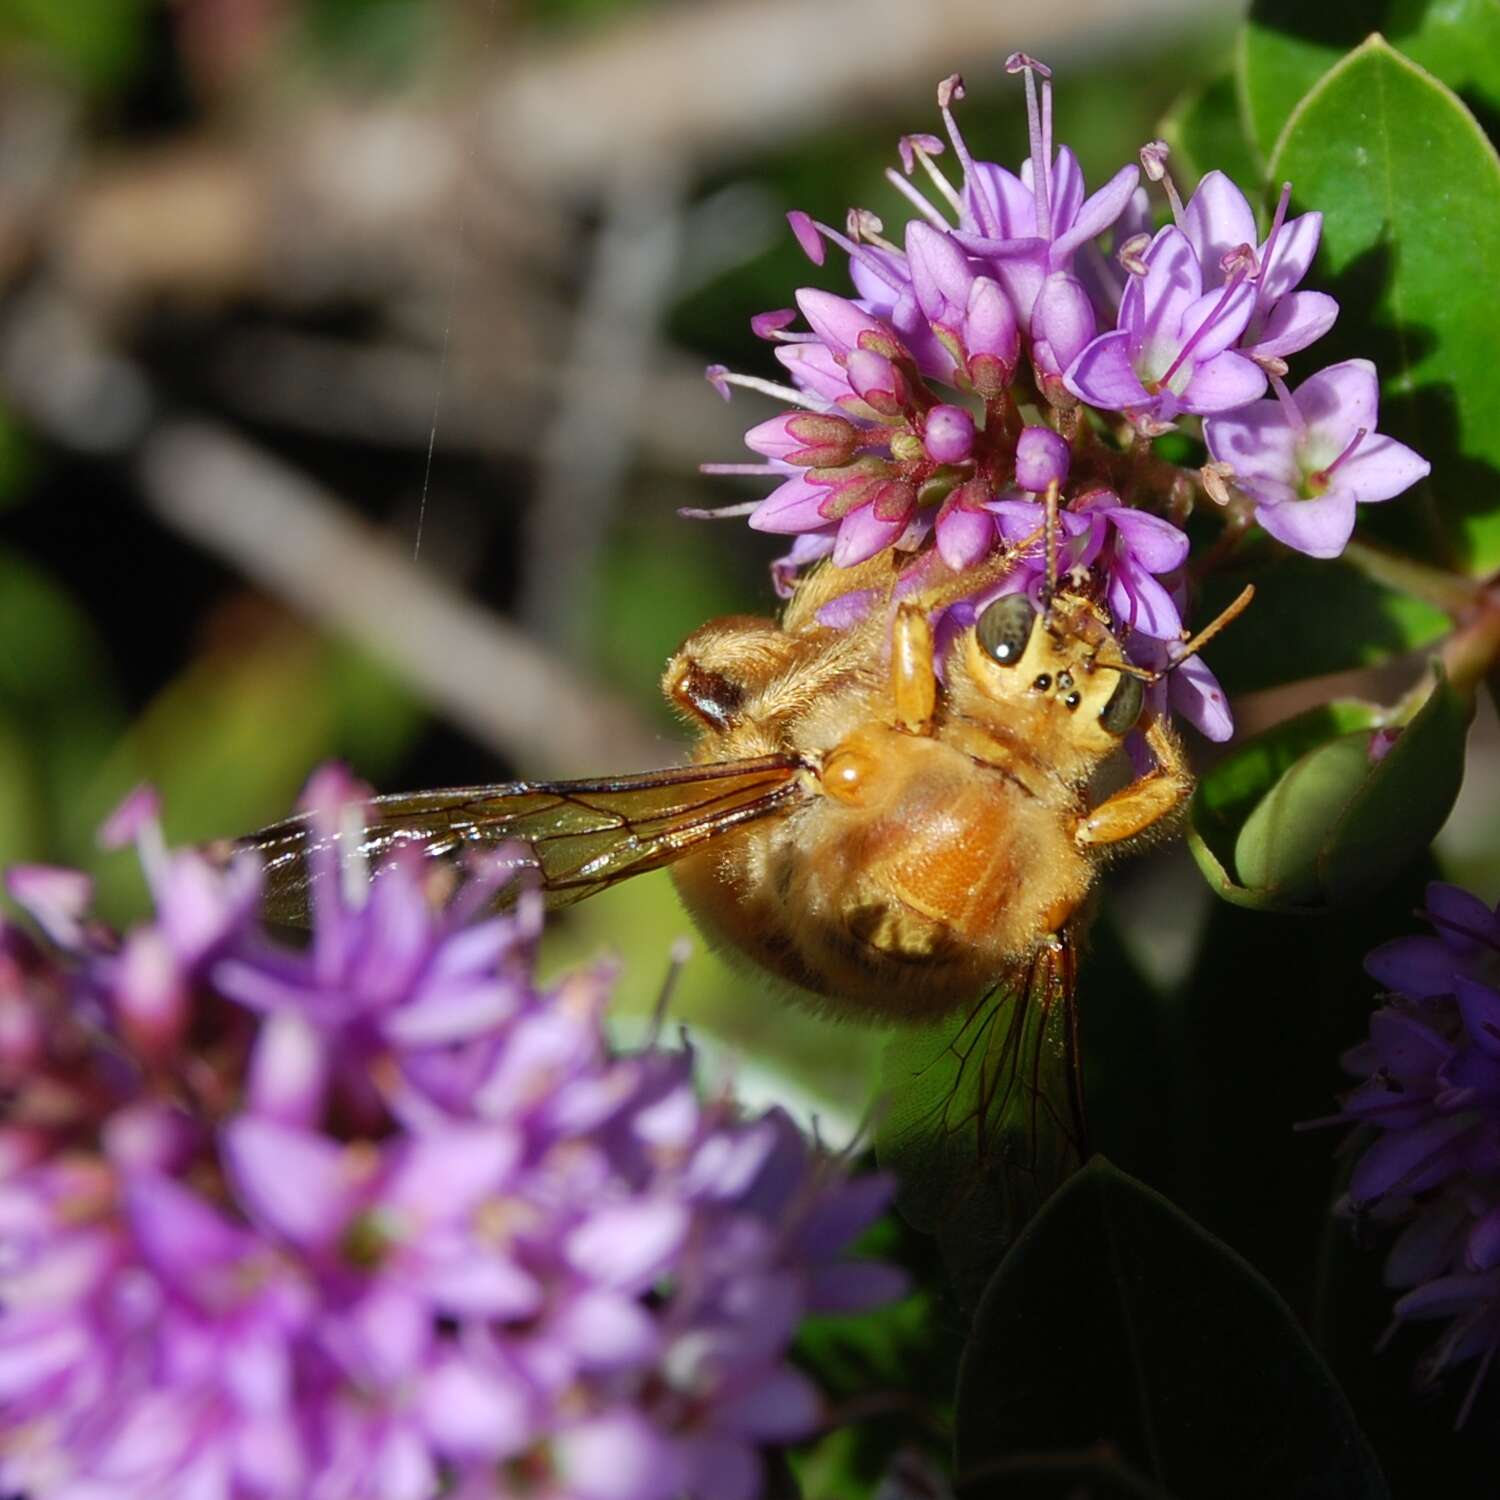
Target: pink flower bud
{"x":1041,"y":457}
{"x":1062,"y":323}
{"x":940,"y":275}
{"x":949,"y":434}
{"x":837,"y":321}
{"x":879,"y":384}
{"x":991,"y":337}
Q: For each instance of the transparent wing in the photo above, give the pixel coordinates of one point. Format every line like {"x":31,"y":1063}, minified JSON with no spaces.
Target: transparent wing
{"x":583,"y":835}
{"x":985,"y":1113}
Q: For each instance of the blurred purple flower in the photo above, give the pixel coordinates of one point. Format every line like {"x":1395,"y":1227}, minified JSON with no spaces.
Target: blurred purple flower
{"x":1309,"y":456}
{"x":401,"y":1224}
{"x":1429,"y":1106}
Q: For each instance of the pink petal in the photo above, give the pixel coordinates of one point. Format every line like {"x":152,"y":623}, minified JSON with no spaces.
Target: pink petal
{"x":1222,"y":383}
{"x":1298,"y":320}
{"x":1103,"y":375}
{"x":618,"y":1455}
{"x":295,"y":1182}
{"x":1320,"y":527}
{"x":1379,"y":469}
{"x":862,"y":534}
{"x":1173,"y":282}
{"x":790,"y":508}
{"x":1197,"y":696}
{"x":627,"y":1245}
{"x":1336,"y":403}
{"x":1101,"y":210}
{"x":1294,"y":250}
{"x":1218,"y":219}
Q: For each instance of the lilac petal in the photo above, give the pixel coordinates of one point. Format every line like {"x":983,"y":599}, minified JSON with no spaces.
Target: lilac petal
{"x":1066,"y":189}
{"x":57,"y":900}
{"x":1462,"y":920}
{"x":814,"y":368}
{"x":617,"y":1455}
{"x":1483,"y":1249}
{"x":606,"y":1331}
{"x":790,"y":508}
{"x":1295,"y":322}
{"x":772,"y":437}
{"x":1292,"y":254}
{"x":782,"y":1407}
{"x":1104,"y":377}
{"x":989,"y":325}
{"x":294,"y":1182}
{"x":1216,"y":220}
{"x":1336,"y":403}
{"x":1173,"y":282}
{"x":844,"y":1211}
{"x":862,"y":534}
{"x":139,"y":808}
{"x":1137,"y":599}
{"x":964,"y":536}
{"x":1421,"y":968}
{"x":1155,"y":543}
{"x":473,"y":1413}
{"x":1256,"y":442}
{"x":1320,"y":527}
{"x":1221,"y":316}
{"x":1480,"y":1007}
{"x":1096,"y":215}
{"x":1409,"y":1051}
{"x":455,"y":1012}
{"x":480,"y":1284}
{"x":1427,"y":1246}
{"x":855,"y":1286}
{"x":1448,"y":1296}
{"x":1379,"y":469}
{"x":177,"y":1232}
{"x":1062,"y":323}
{"x":1222,"y":383}
{"x":1395,"y":1161}
{"x":724,"y":1467}
{"x":940,"y":274}
{"x":836,"y":320}
{"x":451,"y":1172}
{"x":627,"y":1245}
{"x":1198,"y":698}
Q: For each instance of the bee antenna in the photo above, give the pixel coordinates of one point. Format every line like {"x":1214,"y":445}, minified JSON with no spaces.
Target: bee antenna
{"x":1054,"y":489}
{"x":1226,"y":616}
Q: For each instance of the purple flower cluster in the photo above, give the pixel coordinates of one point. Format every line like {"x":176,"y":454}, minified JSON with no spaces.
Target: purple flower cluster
{"x":1429,"y":1101}
{"x":975,"y":365}
{"x":380,"y":1217}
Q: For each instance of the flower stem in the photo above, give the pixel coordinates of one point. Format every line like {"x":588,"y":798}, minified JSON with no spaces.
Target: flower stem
{"x":1450,"y":592}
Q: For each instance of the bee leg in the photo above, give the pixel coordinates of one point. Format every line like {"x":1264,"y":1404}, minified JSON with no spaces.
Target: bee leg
{"x":1145,"y":802}
{"x":913,"y":677}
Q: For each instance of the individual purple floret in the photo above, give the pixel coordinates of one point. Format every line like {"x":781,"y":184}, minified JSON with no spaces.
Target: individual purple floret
{"x":382,"y":1217}
{"x":1430,"y":1100}
{"x":1173,"y":350}
{"x":1309,"y":456}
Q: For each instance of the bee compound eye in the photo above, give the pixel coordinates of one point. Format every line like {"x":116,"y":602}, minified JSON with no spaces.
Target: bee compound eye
{"x":1005,"y":627}
{"x":1120,"y":714}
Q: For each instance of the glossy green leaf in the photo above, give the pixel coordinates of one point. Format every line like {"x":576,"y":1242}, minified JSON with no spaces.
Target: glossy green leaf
{"x":1117,"y":1320}
{"x":1310,"y":618}
{"x":1409,"y":189}
{"x":1288,"y":45}
{"x":1230,"y":792}
{"x":1206,"y":131}
{"x":1306,"y":818}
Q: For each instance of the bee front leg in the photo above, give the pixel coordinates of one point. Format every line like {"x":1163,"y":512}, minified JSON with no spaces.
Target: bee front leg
{"x":913,"y":675}
{"x":1145,"y":802}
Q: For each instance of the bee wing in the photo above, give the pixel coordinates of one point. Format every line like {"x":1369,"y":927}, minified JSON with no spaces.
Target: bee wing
{"x":985,"y":1115}
{"x":583,"y":835}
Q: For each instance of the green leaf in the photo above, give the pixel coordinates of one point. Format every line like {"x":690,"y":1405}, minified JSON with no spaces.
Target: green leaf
{"x":1230,"y":792}
{"x":1330,"y":825}
{"x":1206,"y":131}
{"x":1117,"y":1320}
{"x":1318,"y":617}
{"x":1409,"y":189}
{"x":1289,"y":45}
